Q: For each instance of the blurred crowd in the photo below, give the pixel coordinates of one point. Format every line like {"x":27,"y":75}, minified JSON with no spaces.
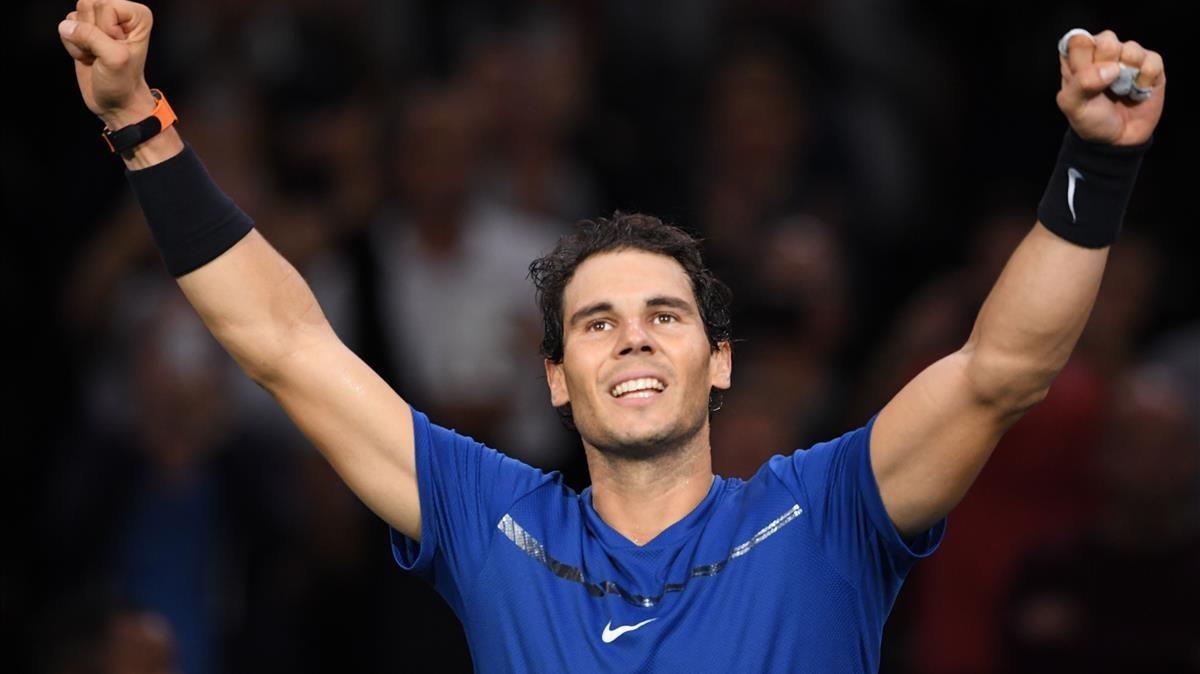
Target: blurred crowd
{"x":856,"y":184}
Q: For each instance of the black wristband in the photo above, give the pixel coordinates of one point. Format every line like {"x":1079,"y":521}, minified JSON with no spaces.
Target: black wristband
{"x":191,"y":219}
{"x":1085,"y":200}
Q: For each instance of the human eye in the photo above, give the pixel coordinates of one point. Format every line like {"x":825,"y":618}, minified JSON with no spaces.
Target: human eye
{"x":665,"y":318}
{"x":598,"y":325}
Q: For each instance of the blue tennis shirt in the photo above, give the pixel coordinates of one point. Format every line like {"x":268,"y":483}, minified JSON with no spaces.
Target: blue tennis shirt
{"x":794,"y":570}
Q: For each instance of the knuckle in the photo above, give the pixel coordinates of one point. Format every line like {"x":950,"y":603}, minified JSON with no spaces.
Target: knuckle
{"x":1153,"y":63}
{"x":1079,"y":41}
{"x":1133,"y":50}
{"x":1106,"y":35}
{"x":120,"y":59}
{"x":83,"y":5}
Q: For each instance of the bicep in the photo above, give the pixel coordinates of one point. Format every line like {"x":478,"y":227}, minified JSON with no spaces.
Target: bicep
{"x":930,"y":442}
{"x":360,"y":424}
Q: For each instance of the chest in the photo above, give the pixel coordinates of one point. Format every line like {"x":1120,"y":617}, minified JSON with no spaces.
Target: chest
{"x":760,"y":604}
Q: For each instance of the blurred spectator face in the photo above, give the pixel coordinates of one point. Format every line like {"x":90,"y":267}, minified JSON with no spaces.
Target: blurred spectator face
{"x":1125,"y":299}
{"x":437,"y":155}
{"x":747,"y":432}
{"x":296,"y":228}
{"x":109,"y":639}
{"x":805,"y":265}
{"x":754,"y":127}
{"x":1151,"y":455}
{"x":626,"y":338}
{"x":755,"y":116}
{"x":780,"y":384}
{"x":226,"y":129}
{"x":533,"y":84}
{"x":179,"y":386}
{"x":139,"y":643}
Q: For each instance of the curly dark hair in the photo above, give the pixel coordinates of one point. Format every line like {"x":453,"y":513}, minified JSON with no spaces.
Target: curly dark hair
{"x":552,"y":272}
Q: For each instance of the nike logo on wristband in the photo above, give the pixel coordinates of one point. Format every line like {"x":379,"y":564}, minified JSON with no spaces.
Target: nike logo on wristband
{"x":1072,"y":176}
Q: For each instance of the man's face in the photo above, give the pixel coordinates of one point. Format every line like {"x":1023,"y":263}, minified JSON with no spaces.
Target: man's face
{"x":637,"y":366}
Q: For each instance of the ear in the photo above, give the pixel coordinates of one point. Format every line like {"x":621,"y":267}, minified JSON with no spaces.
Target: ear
{"x":556,"y":379}
{"x":720,"y":366}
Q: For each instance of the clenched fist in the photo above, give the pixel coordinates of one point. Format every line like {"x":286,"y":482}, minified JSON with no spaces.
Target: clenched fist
{"x":108,"y":40}
{"x":1089,"y":67}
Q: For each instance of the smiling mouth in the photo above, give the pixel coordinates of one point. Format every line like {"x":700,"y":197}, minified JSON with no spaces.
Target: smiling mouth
{"x":643,"y":387}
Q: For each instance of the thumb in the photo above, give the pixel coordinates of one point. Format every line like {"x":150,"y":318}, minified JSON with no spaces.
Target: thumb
{"x":89,"y":39}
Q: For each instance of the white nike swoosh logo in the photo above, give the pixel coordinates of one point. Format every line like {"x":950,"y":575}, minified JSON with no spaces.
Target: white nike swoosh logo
{"x":1072,"y":176}
{"x":610,"y":635}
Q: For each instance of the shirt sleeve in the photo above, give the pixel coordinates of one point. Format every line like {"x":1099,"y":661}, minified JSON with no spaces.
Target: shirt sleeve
{"x":464,"y":488}
{"x":837,"y":488}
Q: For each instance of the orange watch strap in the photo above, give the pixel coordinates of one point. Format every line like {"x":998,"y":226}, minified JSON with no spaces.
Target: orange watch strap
{"x":131,"y":136}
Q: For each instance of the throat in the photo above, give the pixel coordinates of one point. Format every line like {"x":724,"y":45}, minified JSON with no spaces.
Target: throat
{"x":642,"y":524}
{"x":641,"y":501}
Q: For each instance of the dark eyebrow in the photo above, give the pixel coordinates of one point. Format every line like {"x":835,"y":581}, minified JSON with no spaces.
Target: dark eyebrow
{"x":657,"y":301}
{"x":669,"y":301}
{"x":589,"y":310}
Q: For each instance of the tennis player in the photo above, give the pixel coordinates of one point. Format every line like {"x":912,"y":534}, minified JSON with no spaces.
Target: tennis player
{"x":659,"y":565}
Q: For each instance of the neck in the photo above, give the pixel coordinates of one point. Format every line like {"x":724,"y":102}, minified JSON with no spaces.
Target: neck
{"x":642,"y":498}
{"x":438,"y":228}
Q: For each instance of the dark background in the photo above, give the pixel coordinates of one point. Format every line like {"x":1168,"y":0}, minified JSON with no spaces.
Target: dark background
{"x":859,"y":169}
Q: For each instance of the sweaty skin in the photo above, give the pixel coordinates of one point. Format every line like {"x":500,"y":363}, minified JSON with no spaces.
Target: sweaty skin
{"x":633,"y":314}
{"x":648,"y":455}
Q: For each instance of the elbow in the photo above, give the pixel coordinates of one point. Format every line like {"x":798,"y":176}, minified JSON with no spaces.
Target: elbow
{"x":261,"y":365}
{"x":1022,"y":402}
{"x":1007,"y":382}
{"x":267,"y":357}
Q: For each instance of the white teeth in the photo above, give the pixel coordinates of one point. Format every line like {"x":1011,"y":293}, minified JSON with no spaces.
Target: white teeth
{"x":644,"y":384}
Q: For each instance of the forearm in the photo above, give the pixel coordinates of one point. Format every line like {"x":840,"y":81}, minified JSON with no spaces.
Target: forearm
{"x":251,"y":298}
{"x":931,"y":440}
{"x":1032,"y":318}
{"x":1035,"y":313}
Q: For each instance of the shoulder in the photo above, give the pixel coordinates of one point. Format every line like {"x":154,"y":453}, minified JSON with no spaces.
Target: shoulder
{"x":816,"y":462}
{"x":444,"y":453}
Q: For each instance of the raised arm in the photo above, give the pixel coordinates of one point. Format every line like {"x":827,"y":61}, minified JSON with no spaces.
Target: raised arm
{"x":254,"y":302}
{"x":930,"y":441}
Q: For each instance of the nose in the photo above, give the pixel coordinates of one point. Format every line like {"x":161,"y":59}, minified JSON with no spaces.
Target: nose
{"x":634,"y":338}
